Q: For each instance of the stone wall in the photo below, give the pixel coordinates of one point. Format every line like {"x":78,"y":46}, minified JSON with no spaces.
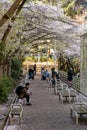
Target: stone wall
{"x":39,"y":65}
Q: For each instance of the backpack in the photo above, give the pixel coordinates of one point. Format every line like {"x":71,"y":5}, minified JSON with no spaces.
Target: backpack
{"x":19,"y":90}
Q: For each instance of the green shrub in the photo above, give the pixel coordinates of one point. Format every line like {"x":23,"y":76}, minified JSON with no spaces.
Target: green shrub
{"x":50,"y":60}
{"x":32,"y":58}
{"x":43,"y":59}
{"x":6,"y":86}
{"x":16,"y":71}
{"x":69,"y":8}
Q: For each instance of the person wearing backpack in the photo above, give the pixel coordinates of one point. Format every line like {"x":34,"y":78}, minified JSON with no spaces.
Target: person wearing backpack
{"x":22,"y":92}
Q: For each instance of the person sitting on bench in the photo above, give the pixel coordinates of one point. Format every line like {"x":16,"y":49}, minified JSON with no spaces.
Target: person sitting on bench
{"x":22,"y":93}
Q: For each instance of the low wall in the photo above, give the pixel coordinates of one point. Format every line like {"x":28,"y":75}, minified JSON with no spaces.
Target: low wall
{"x":39,"y":65}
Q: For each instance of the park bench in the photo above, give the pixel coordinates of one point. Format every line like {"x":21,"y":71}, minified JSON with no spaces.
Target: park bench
{"x":78,"y":109}
{"x":68,"y":95}
{"x":57,"y":87}
{"x":16,"y":110}
{"x":60,"y":86}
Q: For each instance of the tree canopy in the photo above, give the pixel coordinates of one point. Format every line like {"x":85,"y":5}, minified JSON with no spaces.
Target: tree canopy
{"x":37,"y":23}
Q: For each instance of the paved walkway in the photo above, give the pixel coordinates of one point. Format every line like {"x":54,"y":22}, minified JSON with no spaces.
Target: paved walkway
{"x":47,"y":112}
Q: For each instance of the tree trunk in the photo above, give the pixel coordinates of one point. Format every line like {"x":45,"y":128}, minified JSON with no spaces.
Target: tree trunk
{"x":10,"y":12}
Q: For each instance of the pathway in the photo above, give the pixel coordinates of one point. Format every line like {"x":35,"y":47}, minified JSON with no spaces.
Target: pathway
{"x":47,"y":112}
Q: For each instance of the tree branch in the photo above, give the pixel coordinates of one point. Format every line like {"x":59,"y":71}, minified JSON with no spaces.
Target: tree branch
{"x":11,"y":11}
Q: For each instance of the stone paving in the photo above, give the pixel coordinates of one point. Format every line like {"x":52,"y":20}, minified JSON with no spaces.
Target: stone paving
{"x":47,"y":112}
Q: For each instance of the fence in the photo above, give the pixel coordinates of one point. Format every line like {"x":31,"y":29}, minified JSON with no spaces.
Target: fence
{"x":75,"y":82}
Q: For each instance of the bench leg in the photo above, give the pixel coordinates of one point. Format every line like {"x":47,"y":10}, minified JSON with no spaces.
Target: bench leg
{"x":76,"y":119}
{"x":55,"y":90}
{"x":71,"y":112}
{"x":20,"y":120}
{"x":76,"y":115}
{"x":9,"y":121}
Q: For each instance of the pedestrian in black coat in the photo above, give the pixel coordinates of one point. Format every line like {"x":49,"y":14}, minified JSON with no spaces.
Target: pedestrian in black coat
{"x":70,"y":76}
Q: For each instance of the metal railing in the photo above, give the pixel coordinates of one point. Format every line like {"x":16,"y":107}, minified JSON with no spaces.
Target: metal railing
{"x":75,"y":81}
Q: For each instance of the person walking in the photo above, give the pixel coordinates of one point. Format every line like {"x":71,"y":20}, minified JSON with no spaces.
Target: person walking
{"x":54,"y":73}
{"x":31,"y":73}
{"x":70,"y":77}
{"x":43,"y":74}
{"x":34,"y":69}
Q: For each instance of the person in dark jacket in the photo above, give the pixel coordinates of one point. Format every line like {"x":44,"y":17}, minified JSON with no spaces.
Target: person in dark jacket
{"x":70,"y":76}
{"x":34,"y":69}
{"x":22,"y":93}
{"x":31,"y":73}
{"x":54,"y":77}
{"x":43,"y":74}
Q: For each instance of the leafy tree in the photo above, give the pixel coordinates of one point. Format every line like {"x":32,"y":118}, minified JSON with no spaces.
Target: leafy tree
{"x":69,"y":8}
{"x":16,"y":71}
